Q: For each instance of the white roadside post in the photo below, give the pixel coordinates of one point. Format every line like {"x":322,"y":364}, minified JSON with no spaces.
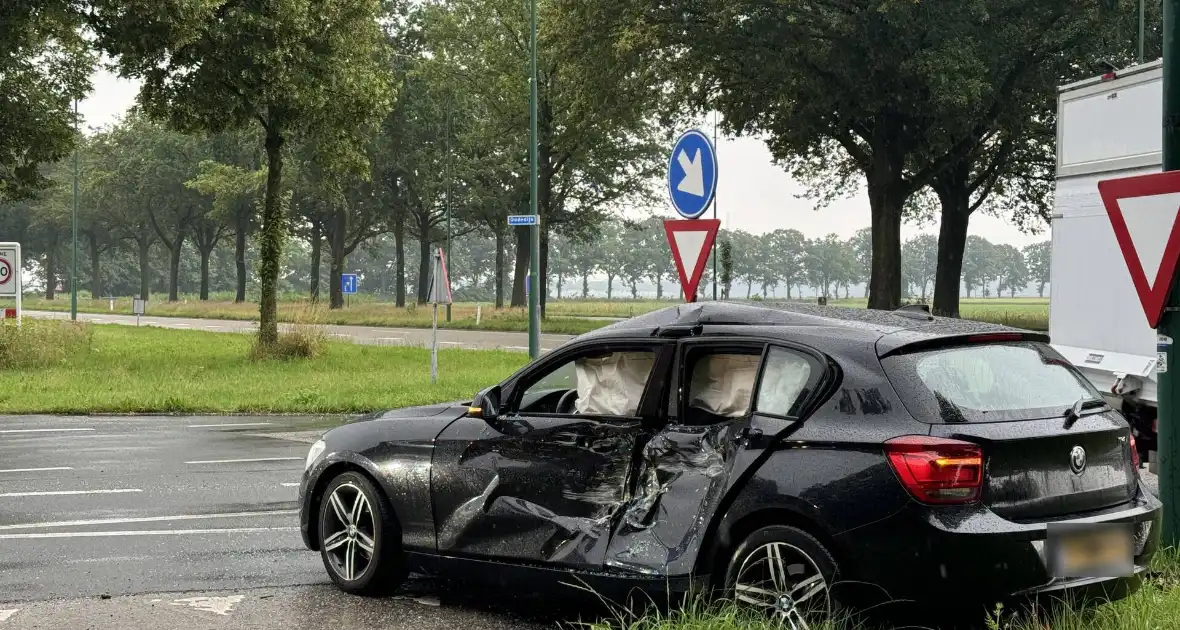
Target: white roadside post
{"x":11,"y":281}
{"x":440,"y":293}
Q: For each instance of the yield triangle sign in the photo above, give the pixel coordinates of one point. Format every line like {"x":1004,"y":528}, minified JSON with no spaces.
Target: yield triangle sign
{"x":1143,"y":211}
{"x":690,"y":242}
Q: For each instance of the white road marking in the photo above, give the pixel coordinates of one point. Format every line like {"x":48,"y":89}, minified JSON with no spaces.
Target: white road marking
{"x":290,"y":485}
{"x":146,"y":519}
{"x":61,"y":493}
{"x":216,"y":605}
{"x":245,"y":461}
{"x":148,"y":532}
{"x":23,"y":470}
{"x":42,"y":430}
{"x":229,"y":424}
{"x":6,"y":614}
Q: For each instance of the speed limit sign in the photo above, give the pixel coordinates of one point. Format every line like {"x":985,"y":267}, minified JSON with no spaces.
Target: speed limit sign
{"x":9,"y":266}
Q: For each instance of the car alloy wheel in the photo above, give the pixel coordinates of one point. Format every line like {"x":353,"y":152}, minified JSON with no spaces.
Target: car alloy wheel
{"x":782,"y":581}
{"x":350,"y":532}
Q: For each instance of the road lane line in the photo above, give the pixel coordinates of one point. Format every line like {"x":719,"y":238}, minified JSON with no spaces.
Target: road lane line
{"x":24,"y":470}
{"x":59,"y":493}
{"x":148,"y":532}
{"x":42,"y":430}
{"x":245,"y":461}
{"x":229,"y":424}
{"x":147,"y":519}
{"x":290,"y":485}
{"x":6,"y":614}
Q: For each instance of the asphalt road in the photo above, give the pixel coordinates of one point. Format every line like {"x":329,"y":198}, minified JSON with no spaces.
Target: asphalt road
{"x":162,"y":522}
{"x":373,"y":335}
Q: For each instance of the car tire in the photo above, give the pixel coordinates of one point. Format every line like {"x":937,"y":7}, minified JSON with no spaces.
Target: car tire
{"x":363,"y":555}
{"x":796,"y":586}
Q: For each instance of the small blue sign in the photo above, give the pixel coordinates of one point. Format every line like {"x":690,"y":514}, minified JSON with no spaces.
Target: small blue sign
{"x":524,"y":219}
{"x":348,"y":283}
{"x":692,"y":174}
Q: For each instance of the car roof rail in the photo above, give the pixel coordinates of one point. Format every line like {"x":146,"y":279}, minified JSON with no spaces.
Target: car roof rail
{"x":915,"y":311}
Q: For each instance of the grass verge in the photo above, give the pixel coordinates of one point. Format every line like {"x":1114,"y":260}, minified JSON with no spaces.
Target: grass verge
{"x":1154,"y":607}
{"x":563,"y":316}
{"x":154,"y":370}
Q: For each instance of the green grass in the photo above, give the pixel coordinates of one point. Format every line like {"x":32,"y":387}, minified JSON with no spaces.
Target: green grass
{"x":563,"y":316}
{"x":1154,"y":607}
{"x":153,"y":370}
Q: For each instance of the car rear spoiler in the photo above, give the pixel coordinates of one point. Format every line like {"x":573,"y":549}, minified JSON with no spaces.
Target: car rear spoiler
{"x":906,"y":341}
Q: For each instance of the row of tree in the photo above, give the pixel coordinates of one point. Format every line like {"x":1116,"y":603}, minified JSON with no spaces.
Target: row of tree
{"x":337,"y":120}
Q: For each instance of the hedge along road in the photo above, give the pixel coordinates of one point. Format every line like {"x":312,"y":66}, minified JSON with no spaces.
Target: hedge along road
{"x":181,"y":523}
{"x":373,"y":335}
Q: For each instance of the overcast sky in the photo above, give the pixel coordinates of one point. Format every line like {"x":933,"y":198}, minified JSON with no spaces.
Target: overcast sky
{"x":752,"y":193}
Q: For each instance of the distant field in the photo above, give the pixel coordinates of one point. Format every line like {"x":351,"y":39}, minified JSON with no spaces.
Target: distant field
{"x":563,"y":316}
{"x":156,"y":370}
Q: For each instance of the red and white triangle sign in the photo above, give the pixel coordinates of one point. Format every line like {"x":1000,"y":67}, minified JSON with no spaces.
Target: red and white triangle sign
{"x":691,"y":241}
{"x":1145,"y":214}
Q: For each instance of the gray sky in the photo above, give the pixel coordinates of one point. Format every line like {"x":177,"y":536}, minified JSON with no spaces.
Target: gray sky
{"x":752,"y":193}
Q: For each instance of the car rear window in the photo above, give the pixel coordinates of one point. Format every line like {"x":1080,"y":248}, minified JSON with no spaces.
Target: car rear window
{"x":987,"y":383}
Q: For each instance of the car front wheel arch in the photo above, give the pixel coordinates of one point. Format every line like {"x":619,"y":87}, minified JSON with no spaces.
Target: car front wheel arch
{"x":326,"y":477}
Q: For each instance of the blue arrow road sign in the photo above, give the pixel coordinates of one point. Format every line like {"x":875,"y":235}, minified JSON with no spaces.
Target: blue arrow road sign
{"x":348,"y":283}
{"x":524,"y":219}
{"x":692,"y":174}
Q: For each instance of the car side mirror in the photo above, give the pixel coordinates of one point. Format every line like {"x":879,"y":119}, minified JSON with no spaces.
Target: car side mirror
{"x":486,"y":404}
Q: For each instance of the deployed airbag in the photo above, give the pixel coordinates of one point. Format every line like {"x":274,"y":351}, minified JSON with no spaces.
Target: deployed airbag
{"x":612,"y":385}
{"x":723,"y":384}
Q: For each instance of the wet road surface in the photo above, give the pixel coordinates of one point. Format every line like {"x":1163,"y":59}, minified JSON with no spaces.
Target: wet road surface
{"x":371,"y":335}
{"x":172,"y":522}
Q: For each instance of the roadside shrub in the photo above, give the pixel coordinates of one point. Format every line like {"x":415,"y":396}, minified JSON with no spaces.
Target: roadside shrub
{"x":303,"y":338}
{"x":38,"y":343}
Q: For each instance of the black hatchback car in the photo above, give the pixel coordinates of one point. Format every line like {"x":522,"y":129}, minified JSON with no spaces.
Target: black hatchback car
{"x":774,"y":452}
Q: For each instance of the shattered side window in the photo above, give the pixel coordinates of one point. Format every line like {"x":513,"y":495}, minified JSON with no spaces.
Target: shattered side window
{"x":783,"y":380}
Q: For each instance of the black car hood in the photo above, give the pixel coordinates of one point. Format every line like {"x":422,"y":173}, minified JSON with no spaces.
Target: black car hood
{"x":452,"y":410}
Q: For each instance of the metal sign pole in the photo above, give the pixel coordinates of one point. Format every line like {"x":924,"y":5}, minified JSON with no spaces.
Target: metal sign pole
{"x":434,"y":347}
{"x":1168,"y":383}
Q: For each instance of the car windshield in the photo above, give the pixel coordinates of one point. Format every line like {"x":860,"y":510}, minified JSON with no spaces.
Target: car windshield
{"x":988,"y":383}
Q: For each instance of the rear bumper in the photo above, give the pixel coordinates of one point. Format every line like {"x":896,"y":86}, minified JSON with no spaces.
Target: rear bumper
{"x":969,"y":554}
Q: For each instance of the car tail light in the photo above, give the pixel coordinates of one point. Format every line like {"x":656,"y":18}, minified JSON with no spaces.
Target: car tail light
{"x":936,"y":470}
{"x":1135,"y":452}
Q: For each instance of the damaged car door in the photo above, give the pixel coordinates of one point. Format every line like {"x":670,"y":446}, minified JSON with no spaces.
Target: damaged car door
{"x":545,"y":481}
{"x":728,"y":401}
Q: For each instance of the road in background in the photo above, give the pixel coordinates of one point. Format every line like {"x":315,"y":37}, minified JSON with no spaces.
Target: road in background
{"x":371,"y":335}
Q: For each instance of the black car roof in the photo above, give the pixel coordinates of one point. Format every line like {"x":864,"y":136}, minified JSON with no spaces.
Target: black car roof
{"x":902,"y":327}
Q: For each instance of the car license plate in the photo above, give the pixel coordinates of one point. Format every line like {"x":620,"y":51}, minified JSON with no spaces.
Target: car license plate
{"x":1090,"y":551}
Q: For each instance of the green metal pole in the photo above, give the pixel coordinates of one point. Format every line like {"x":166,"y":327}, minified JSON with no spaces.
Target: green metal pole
{"x":449,"y":194}
{"x":1168,"y":381}
{"x":74,"y":273}
{"x":535,"y":231}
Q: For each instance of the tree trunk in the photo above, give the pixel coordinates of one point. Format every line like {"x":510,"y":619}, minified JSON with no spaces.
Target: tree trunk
{"x":205,"y":273}
{"x":500,"y":268}
{"x":543,"y":269}
{"x":174,"y":269}
{"x":610,"y":285}
{"x":659,"y":288}
{"x":1041,"y":289}
{"x":634,"y":289}
{"x":955,"y":199}
{"x":399,"y":241}
{"x":145,"y":268}
{"x":51,"y":273}
{"x":336,"y":247}
{"x":317,"y":251}
{"x":423,"y":268}
{"x":885,"y":280}
{"x":522,"y":267}
{"x":585,"y":285}
{"x":273,"y":230}
{"x":241,"y":231}
{"x":95,"y":270}
{"x":749,"y":289}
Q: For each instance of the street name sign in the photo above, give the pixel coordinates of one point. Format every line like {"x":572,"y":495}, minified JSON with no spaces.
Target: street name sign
{"x":523,"y":219}
{"x":691,"y":241}
{"x":692,"y":174}
{"x":1145,"y":214}
{"x":348,"y":283}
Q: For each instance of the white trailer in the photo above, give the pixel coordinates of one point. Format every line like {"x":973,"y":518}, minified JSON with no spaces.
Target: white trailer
{"x":1107,"y":127}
